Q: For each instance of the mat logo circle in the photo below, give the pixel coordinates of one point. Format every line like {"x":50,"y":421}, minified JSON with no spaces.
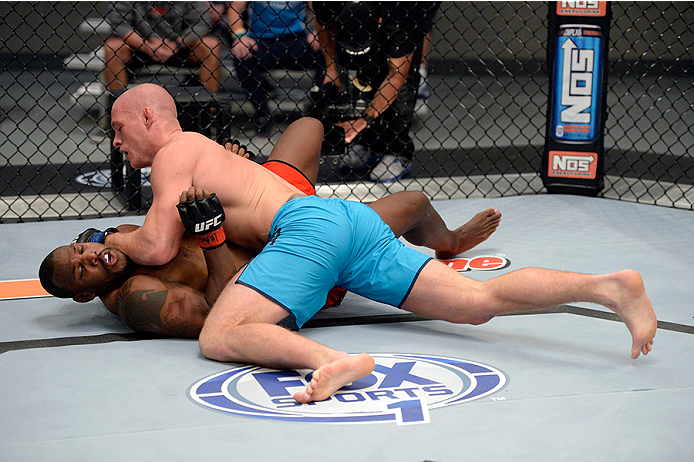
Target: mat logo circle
{"x":481,"y":263}
{"x":402,"y":389}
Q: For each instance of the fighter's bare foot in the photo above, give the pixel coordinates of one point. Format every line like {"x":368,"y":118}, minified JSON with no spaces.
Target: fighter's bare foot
{"x":635,"y":309}
{"x":473,"y":233}
{"x":331,"y":377}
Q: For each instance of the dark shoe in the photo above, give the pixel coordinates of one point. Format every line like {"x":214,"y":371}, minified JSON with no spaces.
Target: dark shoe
{"x":358,"y":157}
{"x":390,"y":168}
{"x":269,"y":88}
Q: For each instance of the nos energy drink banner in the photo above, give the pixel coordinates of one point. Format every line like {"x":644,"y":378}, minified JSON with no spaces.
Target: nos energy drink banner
{"x":577,"y":50}
{"x":578,"y":74}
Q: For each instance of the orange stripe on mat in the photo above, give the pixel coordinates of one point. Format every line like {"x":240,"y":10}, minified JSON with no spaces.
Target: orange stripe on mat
{"x":26,"y":288}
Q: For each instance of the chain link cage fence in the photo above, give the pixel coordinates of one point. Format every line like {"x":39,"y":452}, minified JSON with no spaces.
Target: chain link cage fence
{"x":478,"y":128}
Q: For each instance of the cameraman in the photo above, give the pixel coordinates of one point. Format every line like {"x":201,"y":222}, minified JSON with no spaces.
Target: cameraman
{"x":380,"y":45}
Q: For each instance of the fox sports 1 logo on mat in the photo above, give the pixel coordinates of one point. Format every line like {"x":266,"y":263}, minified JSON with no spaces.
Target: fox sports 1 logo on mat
{"x":402,"y":389}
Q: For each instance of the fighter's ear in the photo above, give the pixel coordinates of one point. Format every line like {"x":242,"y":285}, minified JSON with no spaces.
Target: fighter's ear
{"x":148,"y":114}
{"x":84,"y":298}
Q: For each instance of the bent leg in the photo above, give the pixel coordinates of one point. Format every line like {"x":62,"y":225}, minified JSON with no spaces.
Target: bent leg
{"x":241,"y":328}
{"x":411,"y":215}
{"x":442,"y":293}
{"x":408,"y":213}
{"x":300,"y":146}
{"x":207,"y":53}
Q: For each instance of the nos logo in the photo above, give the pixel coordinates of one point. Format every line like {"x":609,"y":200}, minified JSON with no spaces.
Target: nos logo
{"x":402,"y":389}
{"x":573,"y":164}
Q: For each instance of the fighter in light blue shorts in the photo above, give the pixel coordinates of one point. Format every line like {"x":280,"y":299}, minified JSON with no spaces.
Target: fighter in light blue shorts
{"x":315,"y":244}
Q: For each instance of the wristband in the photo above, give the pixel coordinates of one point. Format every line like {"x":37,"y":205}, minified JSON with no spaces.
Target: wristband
{"x":93,"y":235}
{"x":211,"y":240}
{"x":107,"y":232}
{"x":369,"y":120}
{"x":238,"y":33}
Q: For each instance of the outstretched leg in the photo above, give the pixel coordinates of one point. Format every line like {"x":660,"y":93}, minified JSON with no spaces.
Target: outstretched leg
{"x":300,"y":146}
{"x":411,"y":215}
{"x":443,"y":293}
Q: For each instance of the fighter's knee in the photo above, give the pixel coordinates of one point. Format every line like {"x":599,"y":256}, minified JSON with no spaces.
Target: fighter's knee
{"x":311,"y":123}
{"x":209,"y":347}
{"x":480,"y":319}
{"x":474,"y":319}
{"x":415,"y":200}
{"x":480,"y":308}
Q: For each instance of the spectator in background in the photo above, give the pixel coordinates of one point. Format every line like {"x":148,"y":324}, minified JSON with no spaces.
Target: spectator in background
{"x":273,"y":36}
{"x":424,"y":90}
{"x":217,"y":13}
{"x":175,"y":33}
{"x":381,"y":42}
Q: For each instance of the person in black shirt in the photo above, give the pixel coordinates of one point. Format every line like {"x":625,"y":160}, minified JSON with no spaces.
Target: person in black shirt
{"x":379,"y":45}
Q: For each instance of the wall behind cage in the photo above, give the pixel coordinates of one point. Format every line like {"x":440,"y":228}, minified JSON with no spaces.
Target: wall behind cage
{"x":479,"y":134}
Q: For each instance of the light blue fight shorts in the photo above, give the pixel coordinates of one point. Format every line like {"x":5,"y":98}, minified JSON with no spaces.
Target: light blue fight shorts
{"x":316,"y":244}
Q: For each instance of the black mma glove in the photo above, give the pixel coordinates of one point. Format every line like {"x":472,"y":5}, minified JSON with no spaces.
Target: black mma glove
{"x":93,"y":235}
{"x":241,"y":146}
{"x":204,"y":218}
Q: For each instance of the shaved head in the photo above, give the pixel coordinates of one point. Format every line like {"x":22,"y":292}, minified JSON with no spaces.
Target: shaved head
{"x":143,"y":119}
{"x":148,"y":95}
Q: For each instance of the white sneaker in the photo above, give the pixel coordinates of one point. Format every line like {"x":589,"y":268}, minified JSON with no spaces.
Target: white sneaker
{"x":389,"y":169}
{"x":421,"y":108}
{"x":424,"y":90}
{"x":357,"y":157}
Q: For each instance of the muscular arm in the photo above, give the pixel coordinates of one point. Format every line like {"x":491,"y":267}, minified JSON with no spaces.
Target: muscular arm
{"x":199,"y":207}
{"x":147,"y":304}
{"x":398,"y":69}
{"x":158,"y":240}
{"x":155,"y":243}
